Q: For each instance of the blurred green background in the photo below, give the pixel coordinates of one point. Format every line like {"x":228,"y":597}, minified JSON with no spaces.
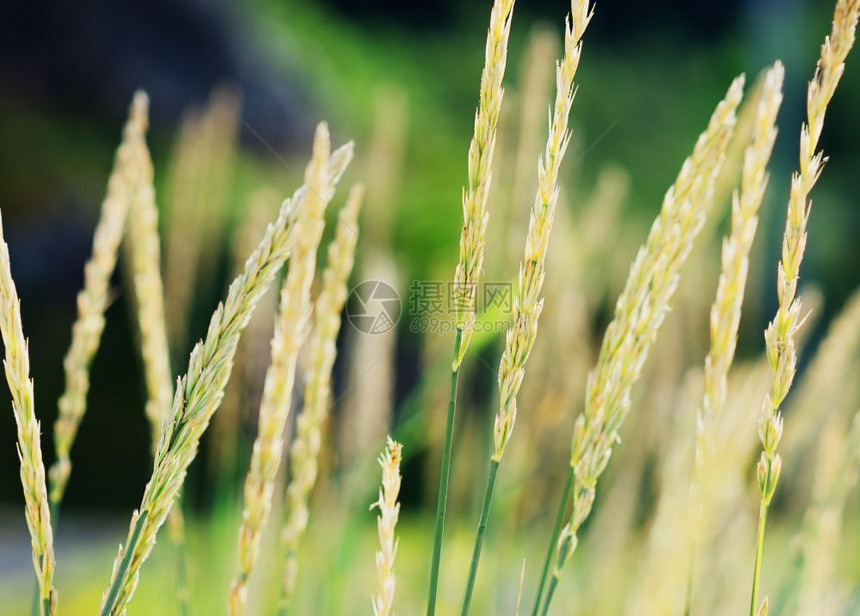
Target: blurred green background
{"x":649,"y":78}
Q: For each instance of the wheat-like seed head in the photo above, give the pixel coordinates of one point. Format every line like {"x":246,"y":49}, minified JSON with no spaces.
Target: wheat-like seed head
{"x":149,"y":290}
{"x":321,"y":178}
{"x":475,"y":216}
{"x":534,"y":94}
{"x":197,"y":396}
{"x":304,"y":451}
{"x":780,"y":334}
{"x":389,"y":510}
{"x":94,"y":297}
{"x":780,"y":343}
{"x":145,"y":250}
{"x":17,"y":367}
{"x":641,"y":308}
{"x":527,"y":303}
{"x":726,"y":310}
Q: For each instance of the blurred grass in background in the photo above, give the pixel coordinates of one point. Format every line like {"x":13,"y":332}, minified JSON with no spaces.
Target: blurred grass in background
{"x":648,"y":80}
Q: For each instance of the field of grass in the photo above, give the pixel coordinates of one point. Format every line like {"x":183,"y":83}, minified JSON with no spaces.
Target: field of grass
{"x":591,"y":420}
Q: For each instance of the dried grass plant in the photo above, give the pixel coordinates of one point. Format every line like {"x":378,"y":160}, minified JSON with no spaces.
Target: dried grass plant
{"x":674,"y":525}
{"x":305,"y":449}
{"x":198,"y":395}
{"x":16,"y":364}
{"x":145,"y":252}
{"x":389,"y":511}
{"x":472,"y":240}
{"x":639,"y":313}
{"x":780,"y":334}
{"x":527,"y":304}
{"x":321,"y":178}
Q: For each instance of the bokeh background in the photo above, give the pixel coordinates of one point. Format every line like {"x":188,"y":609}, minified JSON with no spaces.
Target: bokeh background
{"x":235,"y":91}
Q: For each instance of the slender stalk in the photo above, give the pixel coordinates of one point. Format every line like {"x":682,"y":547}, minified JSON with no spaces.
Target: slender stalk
{"x":479,"y":538}
{"x":556,"y":530}
{"x":566,"y":545}
{"x":553,"y":584}
{"x":442,"y":500}
{"x":759,"y":552}
{"x":124,"y":564}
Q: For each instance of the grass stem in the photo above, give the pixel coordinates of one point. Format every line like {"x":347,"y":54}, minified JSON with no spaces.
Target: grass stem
{"x":442,"y":499}
{"x":550,"y":591}
{"x":759,"y":552}
{"x":119,"y":579}
{"x":479,"y":537}
{"x":556,"y":530}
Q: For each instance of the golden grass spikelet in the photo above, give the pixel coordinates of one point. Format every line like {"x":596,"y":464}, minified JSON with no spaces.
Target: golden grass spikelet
{"x":640,"y":310}
{"x":725,"y":312}
{"x":145,"y":251}
{"x":389,"y":510}
{"x":321,"y":178}
{"x":644,"y":301}
{"x":149,"y":290}
{"x":197,"y":396}
{"x":304,"y":452}
{"x":93,"y":299}
{"x":17,"y":367}
{"x":475,"y":216}
{"x":534,"y":93}
{"x":527,"y":303}
{"x":780,"y":334}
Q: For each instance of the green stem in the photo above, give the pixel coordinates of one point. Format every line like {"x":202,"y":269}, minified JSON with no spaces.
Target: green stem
{"x":116,"y":584}
{"x":37,"y":599}
{"x":553,"y":584}
{"x":479,"y":538}
{"x":759,"y":552}
{"x":442,"y":499}
{"x":564,"y":551}
{"x":556,"y":530}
